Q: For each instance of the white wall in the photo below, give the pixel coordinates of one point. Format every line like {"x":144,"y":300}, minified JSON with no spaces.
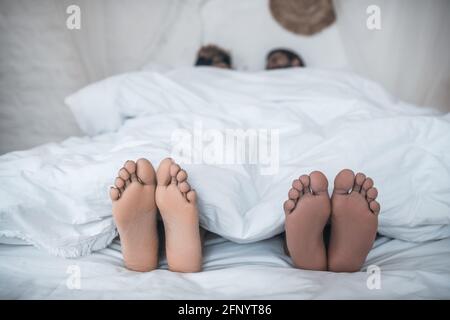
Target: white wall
{"x":38,"y":66}
{"x":410,"y":55}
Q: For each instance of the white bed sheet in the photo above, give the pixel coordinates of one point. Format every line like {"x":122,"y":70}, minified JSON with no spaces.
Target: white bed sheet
{"x":247,"y":271}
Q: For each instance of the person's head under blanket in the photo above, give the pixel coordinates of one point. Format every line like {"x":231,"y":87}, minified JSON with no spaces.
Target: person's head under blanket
{"x":212,"y":55}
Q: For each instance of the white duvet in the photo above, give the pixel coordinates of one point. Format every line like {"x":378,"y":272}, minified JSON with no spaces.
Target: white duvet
{"x":56,"y":196}
{"x":259,"y":270}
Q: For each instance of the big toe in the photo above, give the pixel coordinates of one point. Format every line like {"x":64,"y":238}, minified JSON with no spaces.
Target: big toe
{"x":344,"y":181}
{"x":145,"y":171}
{"x":163,"y":173}
{"x":319,"y":183}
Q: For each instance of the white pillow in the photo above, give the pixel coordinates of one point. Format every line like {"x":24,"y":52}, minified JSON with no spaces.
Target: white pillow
{"x":97,"y":101}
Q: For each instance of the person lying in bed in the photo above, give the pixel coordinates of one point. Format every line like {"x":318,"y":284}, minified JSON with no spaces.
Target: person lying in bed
{"x":212,"y":55}
{"x":350,"y":215}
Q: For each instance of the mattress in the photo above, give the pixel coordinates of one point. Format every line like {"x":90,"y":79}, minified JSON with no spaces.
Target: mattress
{"x":257,"y":270}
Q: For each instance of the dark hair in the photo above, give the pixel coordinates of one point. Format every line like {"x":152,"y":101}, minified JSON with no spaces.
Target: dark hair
{"x":290,"y":55}
{"x":214,"y":55}
{"x":224,"y":58}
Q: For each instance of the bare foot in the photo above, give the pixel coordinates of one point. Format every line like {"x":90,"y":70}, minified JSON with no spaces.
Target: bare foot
{"x":177,"y":204}
{"x":354,"y":221}
{"x":307,"y":212}
{"x":134,"y":211}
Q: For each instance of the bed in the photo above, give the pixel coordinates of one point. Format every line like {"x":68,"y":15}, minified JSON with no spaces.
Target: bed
{"x":55,"y":215}
{"x":257,"y":270}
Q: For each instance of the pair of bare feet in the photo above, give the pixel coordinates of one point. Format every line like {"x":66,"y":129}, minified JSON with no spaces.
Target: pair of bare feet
{"x":137,"y":195}
{"x":352,"y":212}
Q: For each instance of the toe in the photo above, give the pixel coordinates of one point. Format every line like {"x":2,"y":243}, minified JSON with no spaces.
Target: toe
{"x":288,"y":206}
{"x":163,"y":174}
{"x":182,"y":176}
{"x":293,"y":194}
{"x":145,"y":172}
{"x":192,"y":196}
{"x":124,"y":174}
{"x":344,"y":181}
{"x":297,"y":185}
{"x":368,"y":183}
{"x":374,"y":207}
{"x":319,"y":183}
{"x":184,"y":187}
{"x":174,"y":169}
{"x":304,"y":179}
{"x":359,"y":180}
{"x":134,"y":178}
{"x":130,"y":166}
{"x":114,"y":193}
{"x":119,"y":183}
{"x":372,"y":194}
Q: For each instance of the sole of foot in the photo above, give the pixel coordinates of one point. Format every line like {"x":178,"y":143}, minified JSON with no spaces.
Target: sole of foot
{"x":134,"y":212}
{"x":307,"y":212}
{"x":177,"y":203}
{"x":354,"y":221}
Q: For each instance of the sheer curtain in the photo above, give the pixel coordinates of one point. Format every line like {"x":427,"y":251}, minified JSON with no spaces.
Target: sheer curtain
{"x":410,"y":55}
{"x":119,"y":36}
{"x":42,"y":61}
